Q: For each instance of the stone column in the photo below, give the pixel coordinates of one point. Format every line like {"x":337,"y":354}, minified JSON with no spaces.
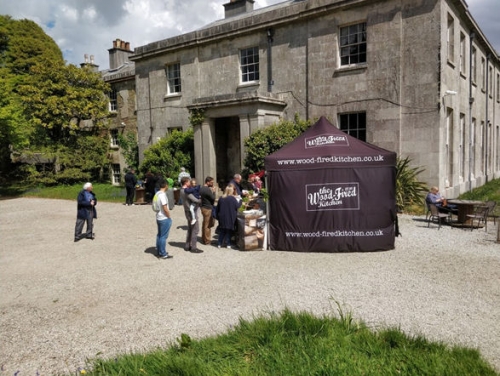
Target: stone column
{"x":198,"y":152}
{"x":209,"y":166}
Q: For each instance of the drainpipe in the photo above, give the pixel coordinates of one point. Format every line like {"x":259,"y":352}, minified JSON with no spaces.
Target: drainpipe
{"x":270,"y":82}
{"x":488,"y":57}
{"x":471,"y":101}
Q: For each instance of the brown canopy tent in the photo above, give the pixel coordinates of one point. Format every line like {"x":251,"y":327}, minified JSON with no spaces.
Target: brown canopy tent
{"x":330,"y":192}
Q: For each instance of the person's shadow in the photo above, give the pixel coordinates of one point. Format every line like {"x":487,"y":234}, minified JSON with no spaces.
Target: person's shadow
{"x":177,"y":244}
{"x":152,"y":251}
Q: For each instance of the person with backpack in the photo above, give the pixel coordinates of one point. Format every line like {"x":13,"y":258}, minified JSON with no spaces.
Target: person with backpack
{"x":163,"y":219}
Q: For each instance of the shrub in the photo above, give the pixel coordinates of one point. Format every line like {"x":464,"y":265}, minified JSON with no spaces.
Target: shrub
{"x":409,"y":190}
{"x":270,"y":139}
{"x":169,"y":154}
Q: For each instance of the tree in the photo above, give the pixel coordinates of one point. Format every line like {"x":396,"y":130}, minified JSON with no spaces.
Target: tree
{"x":49,"y":108}
{"x":58,"y":98}
{"x":170,"y":153}
{"x":129,"y":149}
{"x":25,"y":44}
{"x":22,"y":43}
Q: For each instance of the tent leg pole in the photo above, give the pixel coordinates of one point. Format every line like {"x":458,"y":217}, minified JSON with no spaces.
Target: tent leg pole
{"x":268,"y":234}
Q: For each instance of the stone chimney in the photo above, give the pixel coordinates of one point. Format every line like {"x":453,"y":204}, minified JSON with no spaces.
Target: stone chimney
{"x":89,"y":63}
{"x":119,"y":54}
{"x":235,"y":7}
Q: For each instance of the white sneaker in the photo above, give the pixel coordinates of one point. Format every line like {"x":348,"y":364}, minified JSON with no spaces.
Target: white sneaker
{"x":193,"y":222}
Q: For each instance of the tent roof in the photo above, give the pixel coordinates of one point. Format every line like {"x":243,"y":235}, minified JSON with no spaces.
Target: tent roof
{"x":325,"y":146}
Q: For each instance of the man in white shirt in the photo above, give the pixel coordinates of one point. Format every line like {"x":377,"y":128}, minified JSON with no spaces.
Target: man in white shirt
{"x":163,"y":220}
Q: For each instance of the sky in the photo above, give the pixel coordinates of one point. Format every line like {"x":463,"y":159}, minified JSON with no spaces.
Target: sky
{"x":89,"y":27}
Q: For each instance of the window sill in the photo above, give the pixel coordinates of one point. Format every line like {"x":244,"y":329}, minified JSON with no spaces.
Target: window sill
{"x":172,"y":96}
{"x":244,"y":85}
{"x":463,"y":75}
{"x":451,"y":64}
{"x":358,"y":68}
{"x":114,"y":147}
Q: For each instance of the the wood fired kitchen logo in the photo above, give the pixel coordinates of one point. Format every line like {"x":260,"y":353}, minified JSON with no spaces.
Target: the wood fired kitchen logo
{"x":326,"y":139}
{"x":332,"y":196}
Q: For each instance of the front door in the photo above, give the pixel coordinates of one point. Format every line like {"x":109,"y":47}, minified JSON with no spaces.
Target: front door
{"x":227,"y":149}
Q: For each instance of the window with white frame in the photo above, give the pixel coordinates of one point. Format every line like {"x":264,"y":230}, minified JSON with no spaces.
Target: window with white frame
{"x":489,"y":147}
{"x":498,"y":87}
{"x":481,"y":148}
{"x":174,"y":78}
{"x":113,"y":100}
{"x":353,"y":44}
{"x":354,"y":124}
{"x":116,"y":173}
{"x":497,"y":148}
{"x":473,"y":65}
{"x":463,"y":64}
{"x":490,"y":83}
{"x":473,"y":143}
{"x":483,"y":73}
{"x":451,"y":38}
{"x":249,"y":63}
{"x":449,"y":148}
{"x":461,"y":147}
{"x":113,"y":133}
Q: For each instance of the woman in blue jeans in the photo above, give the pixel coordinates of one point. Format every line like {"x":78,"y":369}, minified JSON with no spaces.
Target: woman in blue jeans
{"x":227,"y":210}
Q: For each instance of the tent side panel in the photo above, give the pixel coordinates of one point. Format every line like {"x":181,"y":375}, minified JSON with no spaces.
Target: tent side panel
{"x":332,"y":210}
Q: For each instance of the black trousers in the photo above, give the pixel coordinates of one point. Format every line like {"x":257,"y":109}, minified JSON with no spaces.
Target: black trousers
{"x":130,"y":195}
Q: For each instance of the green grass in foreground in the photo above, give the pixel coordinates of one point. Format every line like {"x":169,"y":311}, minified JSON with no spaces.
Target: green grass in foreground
{"x":104,"y":192}
{"x":300,"y":344}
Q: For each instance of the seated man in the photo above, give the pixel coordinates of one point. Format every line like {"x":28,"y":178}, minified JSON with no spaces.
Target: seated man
{"x":434,"y":197}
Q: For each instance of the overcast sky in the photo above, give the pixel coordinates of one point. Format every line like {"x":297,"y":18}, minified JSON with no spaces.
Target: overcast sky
{"x":89,"y":26}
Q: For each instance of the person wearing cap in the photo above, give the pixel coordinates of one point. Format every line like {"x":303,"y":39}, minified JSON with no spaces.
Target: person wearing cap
{"x":86,"y":212}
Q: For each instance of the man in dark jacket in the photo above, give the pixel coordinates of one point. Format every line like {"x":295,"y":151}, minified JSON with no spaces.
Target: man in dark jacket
{"x":207,"y":195}
{"x":86,"y":212}
{"x":130,"y":182}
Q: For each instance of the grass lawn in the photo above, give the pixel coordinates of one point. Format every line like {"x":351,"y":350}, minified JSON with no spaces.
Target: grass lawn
{"x":299,"y":344}
{"x":104,"y":192}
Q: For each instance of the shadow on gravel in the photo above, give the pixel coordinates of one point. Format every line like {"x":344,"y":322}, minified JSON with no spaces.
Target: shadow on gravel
{"x":420,"y":220}
{"x":151,"y":251}
{"x":177,"y":244}
{"x":185,"y":228}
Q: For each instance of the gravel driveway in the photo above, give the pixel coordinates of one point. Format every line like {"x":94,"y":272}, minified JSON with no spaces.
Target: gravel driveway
{"x":63,"y":302}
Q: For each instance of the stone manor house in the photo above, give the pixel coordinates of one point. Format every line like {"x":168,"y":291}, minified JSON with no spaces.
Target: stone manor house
{"x":414,"y":76}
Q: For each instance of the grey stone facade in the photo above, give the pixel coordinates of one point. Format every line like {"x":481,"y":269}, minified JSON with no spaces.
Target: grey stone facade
{"x":414,"y":86}
{"x":123,"y":119}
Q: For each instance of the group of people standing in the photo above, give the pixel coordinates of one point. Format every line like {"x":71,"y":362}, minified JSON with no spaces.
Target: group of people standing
{"x":195,"y":199}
